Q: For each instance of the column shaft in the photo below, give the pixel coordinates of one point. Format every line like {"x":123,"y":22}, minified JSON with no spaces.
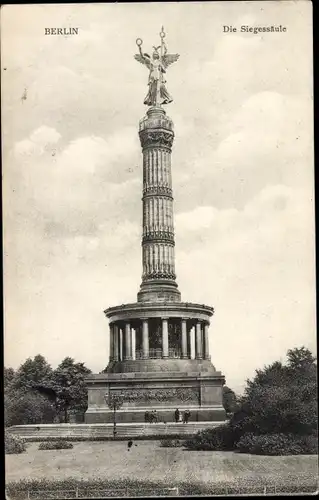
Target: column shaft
{"x":184,"y":339}
{"x":128,"y":342}
{"x":116,"y":342}
{"x":198,"y":342}
{"x":192,"y":342}
{"x":145,"y":340}
{"x":164,"y":338}
{"x":206,"y":341}
{"x":111,"y":354}
{"x":121,"y":344}
{"x":133,"y":340}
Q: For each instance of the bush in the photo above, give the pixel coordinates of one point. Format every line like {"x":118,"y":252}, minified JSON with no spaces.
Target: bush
{"x":309,"y":444}
{"x":217,"y":438}
{"x":171,"y":443}
{"x":281,"y":399}
{"x":277,"y":444}
{"x":14,"y":444}
{"x":23,"y":407}
{"x":60,"y":444}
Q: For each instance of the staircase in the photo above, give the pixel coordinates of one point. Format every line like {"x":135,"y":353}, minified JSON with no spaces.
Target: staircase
{"x":104,"y":432}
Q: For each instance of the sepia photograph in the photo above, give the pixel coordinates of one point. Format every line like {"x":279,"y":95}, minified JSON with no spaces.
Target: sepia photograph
{"x":159,"y":250}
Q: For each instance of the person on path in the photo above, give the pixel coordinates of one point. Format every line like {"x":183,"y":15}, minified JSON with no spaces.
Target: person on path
{"x":177,"y":414}
{"x":186,"y":416}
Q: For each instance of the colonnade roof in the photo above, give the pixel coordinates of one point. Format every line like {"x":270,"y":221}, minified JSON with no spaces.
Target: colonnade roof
{"x":147,"y":310}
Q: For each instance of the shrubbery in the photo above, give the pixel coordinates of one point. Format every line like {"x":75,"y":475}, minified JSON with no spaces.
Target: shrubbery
{"x":277,"y":444}
{"x":268,"y":444}
{"x":217,"y":438}
{"x":60,"y":444}
{"x":277,"y":415}
{"x":26,"y":407}
{"x":14,"y":444}
{"x":171,"y":443}
{"x":305,"y":482}
{"x":309,"y":444}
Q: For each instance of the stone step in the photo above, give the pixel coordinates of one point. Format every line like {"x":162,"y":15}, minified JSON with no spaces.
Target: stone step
{"x":75,"y":432}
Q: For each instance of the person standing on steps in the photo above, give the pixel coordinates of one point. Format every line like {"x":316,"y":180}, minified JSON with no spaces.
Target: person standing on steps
{"x":186,"y":416}
{"x":177,"y":415}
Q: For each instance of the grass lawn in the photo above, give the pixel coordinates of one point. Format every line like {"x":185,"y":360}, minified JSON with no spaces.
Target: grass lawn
{"x":147,"y":461}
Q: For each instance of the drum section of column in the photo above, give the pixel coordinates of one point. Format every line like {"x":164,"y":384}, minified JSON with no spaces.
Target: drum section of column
{"x":158,"y":229}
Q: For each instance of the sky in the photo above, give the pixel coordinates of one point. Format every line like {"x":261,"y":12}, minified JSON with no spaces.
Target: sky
{"x":242,"y":168}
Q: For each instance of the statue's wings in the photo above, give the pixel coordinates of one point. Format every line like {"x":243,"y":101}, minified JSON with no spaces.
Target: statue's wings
{"x":169,"y":59}
{"x":143,"y":60}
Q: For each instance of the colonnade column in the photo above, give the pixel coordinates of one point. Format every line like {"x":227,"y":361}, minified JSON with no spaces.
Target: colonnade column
{"x":115,"y":342}
{"x":184,"y":339}
{"x":111,"y":354}
{"x":121,"y":344}
{"x":192,"y":342}
{"x":206,"y":341}
{"x":164,"y":338}
{"x":128,"y":342}
{"x":145,"y":340}
{"x":198,"y":341}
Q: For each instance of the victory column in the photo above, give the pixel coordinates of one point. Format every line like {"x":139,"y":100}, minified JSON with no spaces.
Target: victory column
{"x":170,"y":367}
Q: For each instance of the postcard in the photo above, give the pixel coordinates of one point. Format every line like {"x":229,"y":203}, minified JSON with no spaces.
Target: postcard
{"x":159,"y":249}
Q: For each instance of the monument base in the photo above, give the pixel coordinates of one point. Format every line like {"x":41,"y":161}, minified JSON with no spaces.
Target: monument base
{"x":200,"y":393}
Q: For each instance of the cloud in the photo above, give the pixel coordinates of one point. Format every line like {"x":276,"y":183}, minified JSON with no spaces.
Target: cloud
{"x":256,"y":266}
{"x":71,"y":190}
{"x":45,"y":135}
{"x":35,"y":145}
{"x":267,"y":141}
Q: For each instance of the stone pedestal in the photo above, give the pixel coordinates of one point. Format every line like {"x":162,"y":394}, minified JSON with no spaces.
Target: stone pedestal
{"x":199,"y":391}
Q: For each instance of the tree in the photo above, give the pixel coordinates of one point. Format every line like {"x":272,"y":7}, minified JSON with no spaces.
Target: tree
{"x":280,"y":399}
{"x":300,"y":359}
{"x":21,"y":408}
{"x":8,"y":377}
{"x":22,"y":403}
{"x":33,"y":371}
{"x":229,"y":399}
{"x":69,"y":386}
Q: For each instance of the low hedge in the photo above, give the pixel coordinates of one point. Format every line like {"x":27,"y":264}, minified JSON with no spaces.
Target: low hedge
{"x":303,"y":482}
{"x":13,"y":444}
{"x":60,"y":444}
{"x":217,"y":438}
{"x":141,"y":437}
{"x":171,"y":443}
{"x":277,"y":444}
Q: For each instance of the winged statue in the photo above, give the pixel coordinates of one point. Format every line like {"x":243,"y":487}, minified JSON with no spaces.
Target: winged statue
{"x":156,"y":64}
